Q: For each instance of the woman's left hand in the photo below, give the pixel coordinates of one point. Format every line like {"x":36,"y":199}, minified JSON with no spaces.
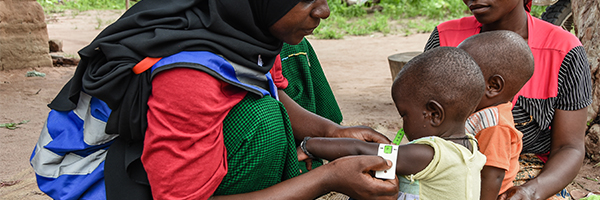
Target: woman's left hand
{"x":303,"y":157}
{"x":363,"y":133}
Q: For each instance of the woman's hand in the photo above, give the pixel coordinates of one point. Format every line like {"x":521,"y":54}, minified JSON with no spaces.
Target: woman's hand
{"x":566,"y":157}
{"x":303,"y":157}
{"x":350,"y":175}
{"x":363,"y":133}
{"x":353,"y":176}
{"x":518,"y":193}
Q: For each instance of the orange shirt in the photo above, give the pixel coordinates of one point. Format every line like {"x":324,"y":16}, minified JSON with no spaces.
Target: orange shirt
{"x":498,"y":139}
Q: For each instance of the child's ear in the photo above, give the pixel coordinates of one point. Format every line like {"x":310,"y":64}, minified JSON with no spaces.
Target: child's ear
{"x":494,"y":86}
{"x":436,"y":111}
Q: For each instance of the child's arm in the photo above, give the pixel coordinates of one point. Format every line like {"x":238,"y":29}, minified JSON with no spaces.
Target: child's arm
{"x":412,"y":158}
{"x":333,"y":148}
{"x":491,"y":181}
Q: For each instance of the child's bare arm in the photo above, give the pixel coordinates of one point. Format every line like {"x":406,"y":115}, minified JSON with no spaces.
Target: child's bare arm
{"x":491,"y":181}
{"x":333,"y":148}
{"x":412,"y":158}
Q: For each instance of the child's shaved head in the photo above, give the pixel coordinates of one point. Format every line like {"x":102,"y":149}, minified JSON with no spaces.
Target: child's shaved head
{"x":503,"y":53}
{"x":447,"y":75}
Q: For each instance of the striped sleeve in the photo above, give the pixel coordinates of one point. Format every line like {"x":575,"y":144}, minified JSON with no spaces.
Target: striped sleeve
{"x":433,"y":41}
{"x":574,"y":81}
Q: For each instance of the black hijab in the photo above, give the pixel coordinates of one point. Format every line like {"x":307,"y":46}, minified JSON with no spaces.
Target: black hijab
{"x":235,"y":29}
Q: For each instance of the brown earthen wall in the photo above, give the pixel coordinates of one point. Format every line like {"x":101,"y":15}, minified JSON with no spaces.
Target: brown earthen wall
{"x":23,"y":35}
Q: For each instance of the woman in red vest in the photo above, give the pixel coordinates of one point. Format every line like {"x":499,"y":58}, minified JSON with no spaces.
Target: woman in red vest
{"x":550,"y":109}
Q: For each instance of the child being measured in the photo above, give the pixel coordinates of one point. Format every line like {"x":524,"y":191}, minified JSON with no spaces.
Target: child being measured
{"x":435,"y":93}
{"x":507,"y":64}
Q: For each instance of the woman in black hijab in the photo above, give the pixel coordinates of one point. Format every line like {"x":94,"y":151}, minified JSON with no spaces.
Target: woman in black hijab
{"x":193,"y":104}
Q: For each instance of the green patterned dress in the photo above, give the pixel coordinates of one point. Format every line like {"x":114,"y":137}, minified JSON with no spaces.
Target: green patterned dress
{"x":308,"y":85}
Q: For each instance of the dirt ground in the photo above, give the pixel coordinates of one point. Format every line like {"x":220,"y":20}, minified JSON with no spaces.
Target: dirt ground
{"x":364,"y":98}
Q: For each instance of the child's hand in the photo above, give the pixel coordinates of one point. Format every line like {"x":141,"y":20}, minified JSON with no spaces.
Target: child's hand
{"x":303,"y":157}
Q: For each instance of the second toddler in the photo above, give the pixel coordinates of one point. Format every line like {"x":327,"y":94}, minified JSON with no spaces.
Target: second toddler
{"x":507,"y":64}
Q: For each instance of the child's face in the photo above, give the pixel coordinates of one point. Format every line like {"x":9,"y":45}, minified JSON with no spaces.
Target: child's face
{"x":489,"y":11}
{"x":413,"y":113}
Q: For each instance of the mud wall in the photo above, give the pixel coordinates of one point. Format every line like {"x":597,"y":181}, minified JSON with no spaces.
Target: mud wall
{"x":23,"y":35}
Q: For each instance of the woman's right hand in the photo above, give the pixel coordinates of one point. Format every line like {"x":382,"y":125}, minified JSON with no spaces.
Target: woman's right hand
{"x":353,"y":176}
{"x":350,"y":175}
{"x":517,"y":193}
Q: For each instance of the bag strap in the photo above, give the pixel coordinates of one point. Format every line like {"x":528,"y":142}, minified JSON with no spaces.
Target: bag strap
{"x":145,"y":64}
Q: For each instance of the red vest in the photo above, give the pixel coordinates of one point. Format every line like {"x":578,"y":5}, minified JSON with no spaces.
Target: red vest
{"x":549,"y":45}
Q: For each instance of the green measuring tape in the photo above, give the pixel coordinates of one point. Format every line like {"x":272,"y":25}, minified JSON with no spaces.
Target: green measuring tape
{"x":398,"y":137}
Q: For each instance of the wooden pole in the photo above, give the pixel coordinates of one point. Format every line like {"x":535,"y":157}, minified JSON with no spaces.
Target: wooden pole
{"x":126,"y":4}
